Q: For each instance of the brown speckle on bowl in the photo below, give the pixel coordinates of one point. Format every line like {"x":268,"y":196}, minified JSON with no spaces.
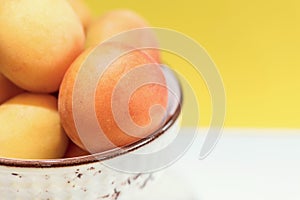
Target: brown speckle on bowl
{"x":79,"y":175}
{"x":149,"y":178}
{"x":136,"y":177}
{"x":116,"y":194}
{"x":16,"y":174}
{"x":97,"y":172}
{"x":105,"y":196}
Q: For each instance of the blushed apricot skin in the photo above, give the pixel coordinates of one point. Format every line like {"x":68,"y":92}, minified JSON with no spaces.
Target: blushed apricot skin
{"x":65,"y":104}
{"x":140,"y":102}
{"x":38,"y":42}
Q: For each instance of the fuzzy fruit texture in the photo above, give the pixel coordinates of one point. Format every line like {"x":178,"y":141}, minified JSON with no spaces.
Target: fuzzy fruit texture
{"x":139,"y":103}
{"x":38,"y":42}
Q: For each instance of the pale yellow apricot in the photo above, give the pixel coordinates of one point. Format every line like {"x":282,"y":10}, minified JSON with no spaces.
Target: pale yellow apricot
{"x":38,"y":42}
{"x":30,"y":128}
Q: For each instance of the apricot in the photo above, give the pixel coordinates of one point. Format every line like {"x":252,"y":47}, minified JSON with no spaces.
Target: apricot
{"x":74,"y":151}
{"x":38,"y":42}
{"x":82,"y":11}
{"x":117,"y":21}
{"x":139,"y":103}
{"x":30,"y":128}
{"x":7,"y":89}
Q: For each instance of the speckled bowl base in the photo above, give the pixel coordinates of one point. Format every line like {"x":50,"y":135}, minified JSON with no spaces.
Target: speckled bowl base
{"x":69,"y":183}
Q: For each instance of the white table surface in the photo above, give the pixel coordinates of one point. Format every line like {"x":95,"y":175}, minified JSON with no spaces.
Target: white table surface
{"x":246,"y":164}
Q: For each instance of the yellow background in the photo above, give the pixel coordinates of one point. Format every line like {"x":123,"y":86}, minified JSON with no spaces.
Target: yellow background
{"x":255,"y":44}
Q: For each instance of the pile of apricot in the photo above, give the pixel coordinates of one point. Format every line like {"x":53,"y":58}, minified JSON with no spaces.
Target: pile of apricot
{"x":43,"y":45}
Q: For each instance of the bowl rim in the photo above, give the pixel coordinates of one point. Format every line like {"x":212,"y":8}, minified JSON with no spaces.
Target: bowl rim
{"x":98,"y":157}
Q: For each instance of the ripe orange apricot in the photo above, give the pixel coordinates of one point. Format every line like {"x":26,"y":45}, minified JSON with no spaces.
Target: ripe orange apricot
{"x":117,"y":21}
{"x":111,"y":92}
{"x":38,"y":42}
{"x":7,"y":89}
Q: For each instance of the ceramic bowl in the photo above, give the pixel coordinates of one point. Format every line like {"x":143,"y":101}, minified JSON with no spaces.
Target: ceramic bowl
{"x":85,"y":177}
